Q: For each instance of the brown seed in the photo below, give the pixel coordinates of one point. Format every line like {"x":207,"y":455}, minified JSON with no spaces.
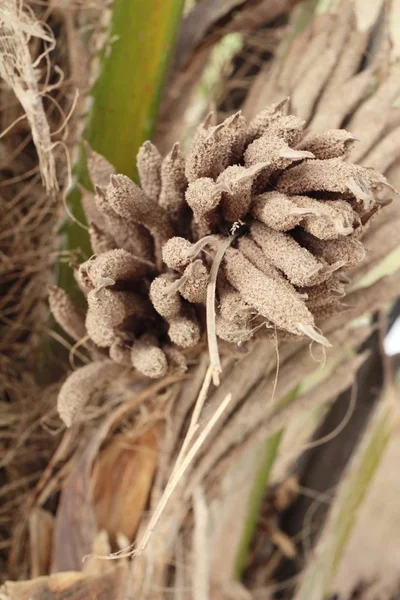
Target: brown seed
{"x":101,"y":241}
{"x":274,"y":151}
{"x":113,"y":307}
{"x":173,"y":183}
{"x":81,"y":384}
{"x":346,"y":251}
{"x":327,"y":219}
{"x":238,"y":182}
{"x":272,"y":121}
{"x":82,"y":279}
{"x":99,"y":167}
{"x":203,"y":196}
{"x":215,"y":148}
{"x":128,"y":235}
{"x":333,"y":175}
{"x":277,"y":210}
{"x":90,"y":209}
{"x":100,"y":334}
{"x":130,"y":203}
{"x":176,"y":253}
{"x":194,"y":282}
{"x":256,"y":256}
{"x":66,"y":314}
{"x":117,"y":265}
{"x":333,"y":143}
{"x":268,"y":296}
{"x":148,"y":162}
{"x":167,"y":303}
{"x":232,"y":307}
{"x":232,"y":332}
{"x":260,"y":123}
{"x":283,"y":252}
{"x":184,"y":331}
{"x":148,"y":358}
{"x":324,"y":293}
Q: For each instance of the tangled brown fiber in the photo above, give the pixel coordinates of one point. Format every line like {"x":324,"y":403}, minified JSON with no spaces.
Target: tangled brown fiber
{"x":37,"y":92}
{"x":294,"y":206}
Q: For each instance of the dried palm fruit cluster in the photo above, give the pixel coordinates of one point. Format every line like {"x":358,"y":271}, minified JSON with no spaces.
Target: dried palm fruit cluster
{"x":263,"y":217}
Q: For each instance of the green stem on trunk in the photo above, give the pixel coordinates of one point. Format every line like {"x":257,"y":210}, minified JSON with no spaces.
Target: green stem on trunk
{"x":125,"y":99}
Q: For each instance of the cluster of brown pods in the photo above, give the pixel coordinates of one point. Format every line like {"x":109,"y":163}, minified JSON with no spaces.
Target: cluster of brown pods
{"x":289,"y":202}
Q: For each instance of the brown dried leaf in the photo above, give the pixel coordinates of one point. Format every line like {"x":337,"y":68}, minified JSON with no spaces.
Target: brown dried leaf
{"x":122,"y":479}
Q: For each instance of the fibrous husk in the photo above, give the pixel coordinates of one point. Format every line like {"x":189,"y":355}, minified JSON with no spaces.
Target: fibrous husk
{"x":296,"y":217}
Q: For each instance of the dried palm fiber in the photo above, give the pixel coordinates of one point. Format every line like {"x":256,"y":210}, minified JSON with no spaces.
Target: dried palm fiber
{"x":37,"y":93}
{"x":296,"y":225}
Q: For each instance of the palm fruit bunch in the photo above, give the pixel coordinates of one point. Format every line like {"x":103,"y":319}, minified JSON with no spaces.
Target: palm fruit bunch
{"x":285,"y":205}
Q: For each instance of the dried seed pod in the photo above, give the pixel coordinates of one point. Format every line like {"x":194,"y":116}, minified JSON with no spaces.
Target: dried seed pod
{"x":258,"y":126}
{"x":115,"y":265}
{"x":65,"y":313}
{"x":148,"y":161}
{"x":176,"y":253}
{"x":173,"y":183}
{"x":113,"y":307}
{"x":283,"y":252}
{"x":82,"y":279}
{"x":232,"y":332}
{"x":236,"y":183}
{"x":81,"y":384}
{"x":274,"y":151}
{"x":130,"y":236}
{"x":90,"y":209}
{"x":194,"y":282}
{"x":203,"y":196}
{"x":327,"y":219}
{"x":232,"y":307}
{"x":333,"y":143}
{"x":100,"y":334}
{"x":99,"y":167}
{"x":277,"y":210}
{"x":130,"y":202}
{"x":167,"y":302}
{"x":148,"y":358}
{"x":271,"y":299}
{"x":332,"y":175}
{"x":299,"y":235}
{"x":323,"y":294}
{"x":101,"y":241}
{"x":273,"y":121}
{"x":215,"y":148}
{"x":346,"y":251}
{"x":120,"y":352}
{"x":255,"y":255}
{"x":184,"y":331}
